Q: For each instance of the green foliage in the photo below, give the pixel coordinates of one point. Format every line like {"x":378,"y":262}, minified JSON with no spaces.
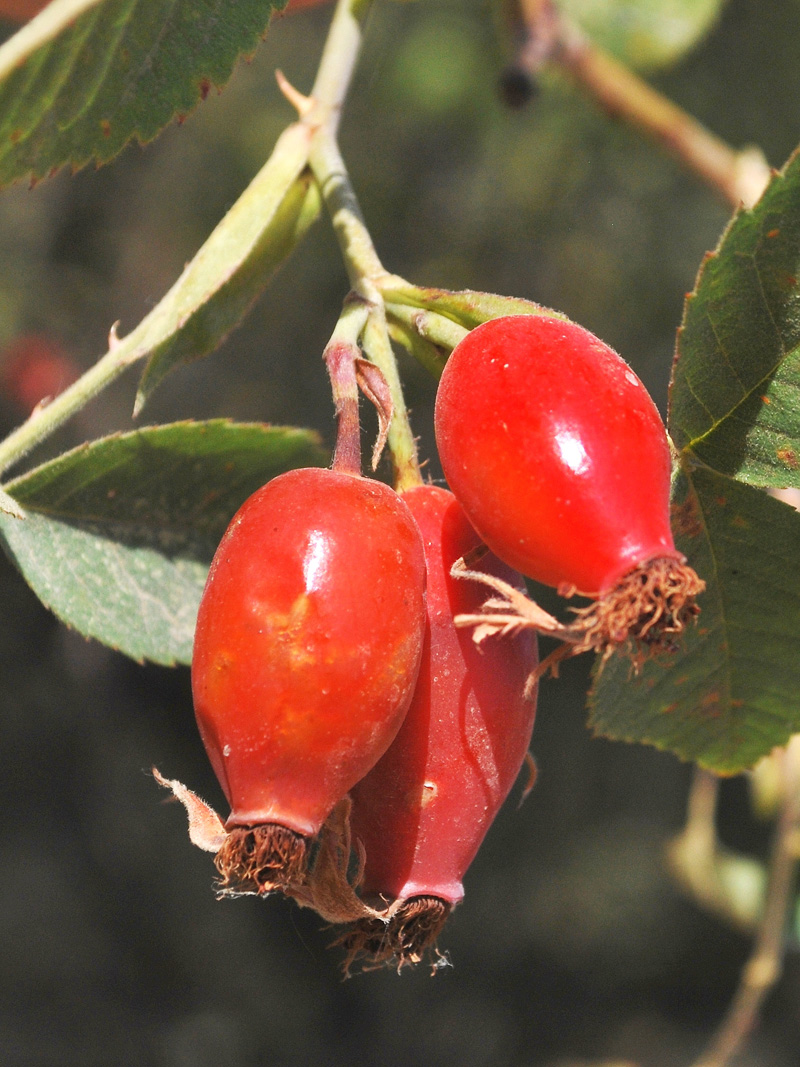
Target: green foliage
{"x":731,"y":690}
{"x":89,"y":76}
{"x":735,"y":399}
{"x":118,"y":534}
{"x":233,"y":266}
{"x":645,"y":34}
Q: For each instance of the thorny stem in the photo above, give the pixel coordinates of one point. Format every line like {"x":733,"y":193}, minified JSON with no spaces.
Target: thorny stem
{"x":739,"y":177}
{"x":763,"y":969}
{"x":322,"y":116}
{"x":363,"y":265}
{"x":46,"y":419}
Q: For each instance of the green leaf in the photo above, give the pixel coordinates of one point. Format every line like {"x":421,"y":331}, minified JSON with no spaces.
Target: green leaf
{"x":735,"y":394}
{"x":731,"y":691}
{"x":232,"y":268}
{"x":85,"y":77}
{"x":119,"y":533}
{"x":646,"y":34}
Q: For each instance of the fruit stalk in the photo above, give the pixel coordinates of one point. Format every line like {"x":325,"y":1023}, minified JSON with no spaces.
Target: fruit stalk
{"x":341,"y":355}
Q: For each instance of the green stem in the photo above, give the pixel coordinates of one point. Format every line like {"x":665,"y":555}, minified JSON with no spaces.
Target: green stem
{"x":361,"y":260}
{"x":333,"y":79}
{"x":430,"y":357}
{"x":401,"y":442}
{"x":337,"y":63}
{"x":429,"y":325}
{"x":738,"y":176}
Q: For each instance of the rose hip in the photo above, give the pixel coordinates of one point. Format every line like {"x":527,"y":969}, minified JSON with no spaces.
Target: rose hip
{"x":423,"y":811}
{"x":307,"y":648}
{"x":561,"y":462}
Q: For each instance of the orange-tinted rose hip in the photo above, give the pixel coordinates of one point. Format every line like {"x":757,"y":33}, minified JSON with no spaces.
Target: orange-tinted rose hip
{"x":306,"y":652}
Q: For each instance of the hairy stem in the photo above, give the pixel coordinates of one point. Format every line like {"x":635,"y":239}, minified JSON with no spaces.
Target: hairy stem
{"x":401,"y":442}
{"x":358,"y":251}
{"x":164,"y":322}
{"x":763,"y":969}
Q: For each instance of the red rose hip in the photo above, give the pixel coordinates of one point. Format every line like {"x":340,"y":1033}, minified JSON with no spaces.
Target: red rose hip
{"x":560,"y":459}
{"x":306,"y":652}
{"x":423,"y":811}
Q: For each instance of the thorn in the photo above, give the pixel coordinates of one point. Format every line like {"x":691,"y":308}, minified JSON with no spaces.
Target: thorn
{"x":302,"y":104}
{"x":113,"y":337}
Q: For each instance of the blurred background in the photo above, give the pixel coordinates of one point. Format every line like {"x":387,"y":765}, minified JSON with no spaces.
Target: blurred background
{"x":573,"y":946}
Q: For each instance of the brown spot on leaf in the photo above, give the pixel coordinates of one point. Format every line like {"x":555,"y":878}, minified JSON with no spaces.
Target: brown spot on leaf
{"x":15,"y":136}
{"x":205,"y":88}
{"x":686,"y":518}
{"x":788,"y":456}
{"x":668,"y":710}
{"x":765,"y":400}
{"x":741,"y":522}
{"x":105,"y":126}
{"x":710,"y":703}
{"x":773,"y":233}
{"x":721,"y":500}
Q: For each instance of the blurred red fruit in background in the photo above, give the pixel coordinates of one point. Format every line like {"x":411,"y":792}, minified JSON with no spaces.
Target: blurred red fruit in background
{"x":33,"y":368}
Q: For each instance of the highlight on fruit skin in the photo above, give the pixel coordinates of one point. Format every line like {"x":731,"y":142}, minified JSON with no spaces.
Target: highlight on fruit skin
{"x":307,"y":648}
{"x":561,"y":461}
{"x":422,"y":812}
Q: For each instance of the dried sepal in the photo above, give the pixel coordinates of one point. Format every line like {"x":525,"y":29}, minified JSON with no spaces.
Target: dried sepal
{"x":640,"y":616}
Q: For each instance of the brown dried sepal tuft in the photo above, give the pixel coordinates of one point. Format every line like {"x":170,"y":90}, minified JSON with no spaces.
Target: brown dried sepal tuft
{"x":403,"y":938}
{"x":645,"y":611}
{"x":261,"y":859}
{"x":641,"y":616}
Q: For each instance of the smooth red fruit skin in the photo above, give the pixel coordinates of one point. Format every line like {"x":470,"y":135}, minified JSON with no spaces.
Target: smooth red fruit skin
{"x":308,"y":644}
{"x":424,"y":809}
{"x":556,"y":452}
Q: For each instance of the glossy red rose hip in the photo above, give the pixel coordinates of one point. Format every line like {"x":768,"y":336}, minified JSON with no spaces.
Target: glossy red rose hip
{"x":424,"y":809}
{"x":556,"y":451}
{"x":308,"y":644}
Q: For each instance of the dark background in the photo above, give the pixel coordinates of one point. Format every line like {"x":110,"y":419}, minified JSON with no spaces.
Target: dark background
{"x":572,"y":945}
